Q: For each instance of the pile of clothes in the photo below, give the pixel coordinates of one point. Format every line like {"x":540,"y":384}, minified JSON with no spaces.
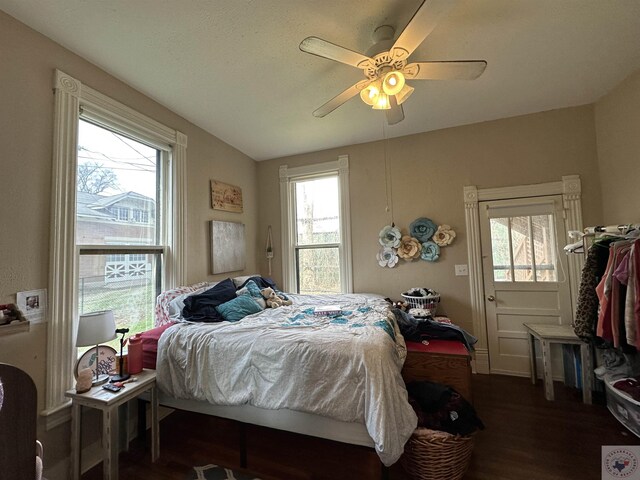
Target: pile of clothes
{"x":440,"y":407}
{"x":417,"y":330}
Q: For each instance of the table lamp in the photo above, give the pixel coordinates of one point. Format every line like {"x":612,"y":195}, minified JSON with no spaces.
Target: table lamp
{"x":93,"y":329}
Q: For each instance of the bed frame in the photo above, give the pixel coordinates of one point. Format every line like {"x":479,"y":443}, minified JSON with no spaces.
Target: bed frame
{"x":288,"y":420}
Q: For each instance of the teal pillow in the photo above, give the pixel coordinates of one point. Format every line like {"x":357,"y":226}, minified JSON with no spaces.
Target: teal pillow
{"x":250,"y":288}
{"x":238,"y":308}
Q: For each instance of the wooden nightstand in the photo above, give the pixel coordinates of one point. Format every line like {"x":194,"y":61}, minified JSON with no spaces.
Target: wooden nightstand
{"x":108,"y":403}
{"x":442,"y":361}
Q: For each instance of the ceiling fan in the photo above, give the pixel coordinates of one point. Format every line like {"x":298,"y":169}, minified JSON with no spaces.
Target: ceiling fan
{"x":385,"y":63}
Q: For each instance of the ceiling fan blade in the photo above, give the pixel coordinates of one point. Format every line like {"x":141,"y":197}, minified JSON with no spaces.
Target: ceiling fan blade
{"x":324,"y":49}
{"x":421,"y":24}
{"x":395,"y":114}
{"x":338,"y":100}
{"x":454,"y":70}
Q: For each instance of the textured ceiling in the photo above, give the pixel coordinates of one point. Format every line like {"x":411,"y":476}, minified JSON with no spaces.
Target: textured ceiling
{"x":233,"y":67}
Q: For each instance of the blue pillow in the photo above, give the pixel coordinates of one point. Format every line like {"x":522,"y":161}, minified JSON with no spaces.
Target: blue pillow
{"x":238,"y":308}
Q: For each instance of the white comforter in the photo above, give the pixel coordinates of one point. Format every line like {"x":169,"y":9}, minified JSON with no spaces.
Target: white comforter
{"x":345,"y":367}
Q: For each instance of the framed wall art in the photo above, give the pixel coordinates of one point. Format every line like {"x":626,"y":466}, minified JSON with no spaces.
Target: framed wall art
{"x":226,"y":197}
{"x":227,"y":247}
{"x":33,"y":304}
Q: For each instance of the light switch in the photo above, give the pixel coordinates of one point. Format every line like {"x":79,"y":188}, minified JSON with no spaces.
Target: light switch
{"x":462,"y":270}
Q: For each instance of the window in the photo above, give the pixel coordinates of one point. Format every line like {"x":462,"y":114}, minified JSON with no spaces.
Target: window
{"x":119,"y":213}
{"x":84,"y":194}
{"x":118,"y":179}
{"x":140,"y":216}
{"x":315,"y":212}
{"x":524,"y":249}
{"x":317,"y":225}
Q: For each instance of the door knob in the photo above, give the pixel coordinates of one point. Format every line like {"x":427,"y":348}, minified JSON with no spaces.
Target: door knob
{"x":491,"y":298}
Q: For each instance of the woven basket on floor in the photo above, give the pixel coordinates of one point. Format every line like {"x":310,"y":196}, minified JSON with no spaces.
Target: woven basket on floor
{"x":434,"y":455}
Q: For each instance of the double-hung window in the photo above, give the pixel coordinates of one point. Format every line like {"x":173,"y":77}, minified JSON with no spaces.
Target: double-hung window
{"x":121,"y":260}
{"x":315,"y":228}
{"x":118,"y":221}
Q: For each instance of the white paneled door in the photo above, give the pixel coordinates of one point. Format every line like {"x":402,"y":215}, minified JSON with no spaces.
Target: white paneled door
{"x":525,"y":276}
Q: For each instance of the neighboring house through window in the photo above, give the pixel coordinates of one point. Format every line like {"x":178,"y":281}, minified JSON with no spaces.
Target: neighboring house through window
{"x":316,"y":227}
{"x":118,"y":223}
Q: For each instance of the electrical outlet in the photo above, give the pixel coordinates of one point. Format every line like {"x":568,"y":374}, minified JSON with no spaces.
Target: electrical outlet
{"x":462,"y":270}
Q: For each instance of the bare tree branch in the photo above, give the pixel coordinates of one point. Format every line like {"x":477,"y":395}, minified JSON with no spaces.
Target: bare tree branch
{"x":94,"y":178}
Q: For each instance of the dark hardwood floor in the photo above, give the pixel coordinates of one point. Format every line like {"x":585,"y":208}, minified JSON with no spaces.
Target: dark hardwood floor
{"x":526,"y":437}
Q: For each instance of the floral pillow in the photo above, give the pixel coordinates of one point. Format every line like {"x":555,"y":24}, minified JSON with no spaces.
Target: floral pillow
{"x":163,"y":301}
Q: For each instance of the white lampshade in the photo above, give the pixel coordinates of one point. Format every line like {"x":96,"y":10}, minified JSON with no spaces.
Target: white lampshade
{"x":404,"y":94}
{"x":370,"y":94}
{"x":382,"y":102}
{"x":393,"y":82}
{"x":95,"y":328}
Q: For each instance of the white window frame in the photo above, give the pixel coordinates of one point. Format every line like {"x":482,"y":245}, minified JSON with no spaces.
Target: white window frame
{"x":70,"y":97}
{"x":288,"y":176}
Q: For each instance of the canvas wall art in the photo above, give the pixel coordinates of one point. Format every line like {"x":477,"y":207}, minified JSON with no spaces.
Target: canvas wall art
{"x":228,"y":247}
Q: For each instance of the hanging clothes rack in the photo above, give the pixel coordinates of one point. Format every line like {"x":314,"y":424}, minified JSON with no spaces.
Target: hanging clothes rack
{"x":582,"y":245}
{"x":620,"y":229}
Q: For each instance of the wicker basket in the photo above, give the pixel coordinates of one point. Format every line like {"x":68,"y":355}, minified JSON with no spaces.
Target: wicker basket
{"x":429,"y":303}
{"x":433,"y":455}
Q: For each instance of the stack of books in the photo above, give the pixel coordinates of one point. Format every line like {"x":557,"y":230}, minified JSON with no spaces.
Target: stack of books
{"x":327,"y":310}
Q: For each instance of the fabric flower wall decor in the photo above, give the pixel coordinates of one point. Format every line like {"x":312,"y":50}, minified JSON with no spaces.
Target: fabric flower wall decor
{"x":390,"y":236}
{"x":422,"y":229}
{"x":430,"y":251}
{"x":387,"y":257}
{"x":423,"y":241}
{"x":409,"y":248}
{"x":444,"y":235}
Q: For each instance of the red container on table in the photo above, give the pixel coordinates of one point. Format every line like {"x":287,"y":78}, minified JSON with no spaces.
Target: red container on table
{"x":135,"y":354}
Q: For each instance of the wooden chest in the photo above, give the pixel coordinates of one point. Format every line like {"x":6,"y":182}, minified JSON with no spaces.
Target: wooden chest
{"x":441,"y":361}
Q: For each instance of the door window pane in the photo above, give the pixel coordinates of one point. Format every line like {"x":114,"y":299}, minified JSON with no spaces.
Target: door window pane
{"x":545,"y":248}
{"x":500,"y":249}
{"x":317,"y":211}
{"x":318,"y":270}
{"x":523,"y":249}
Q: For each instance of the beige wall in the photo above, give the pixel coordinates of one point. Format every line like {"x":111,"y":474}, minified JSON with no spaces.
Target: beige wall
{"x":617,"y":119}
{"x":428,"y":173}
{"x":27,"y":61}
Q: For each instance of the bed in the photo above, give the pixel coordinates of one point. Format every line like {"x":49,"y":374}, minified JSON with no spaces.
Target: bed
{"x":331,"y":376}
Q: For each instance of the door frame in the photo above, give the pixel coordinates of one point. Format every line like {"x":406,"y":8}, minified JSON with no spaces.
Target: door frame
{"x":570,"y":188}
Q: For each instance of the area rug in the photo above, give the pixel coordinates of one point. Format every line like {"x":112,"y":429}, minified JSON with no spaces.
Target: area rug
{"x":214,"y":472}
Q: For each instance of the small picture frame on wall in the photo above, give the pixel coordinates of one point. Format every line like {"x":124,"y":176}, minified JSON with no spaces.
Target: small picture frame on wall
{"x":226,"y":197}
{"x":33,"y":304}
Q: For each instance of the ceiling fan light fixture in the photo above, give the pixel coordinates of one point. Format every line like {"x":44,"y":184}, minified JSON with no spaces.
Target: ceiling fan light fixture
{"x":393,"y":82}
{"x":404,"y":94}
{"x":382,"y":102}
{"x":370,"y":94}
{"x":385,"y":65}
